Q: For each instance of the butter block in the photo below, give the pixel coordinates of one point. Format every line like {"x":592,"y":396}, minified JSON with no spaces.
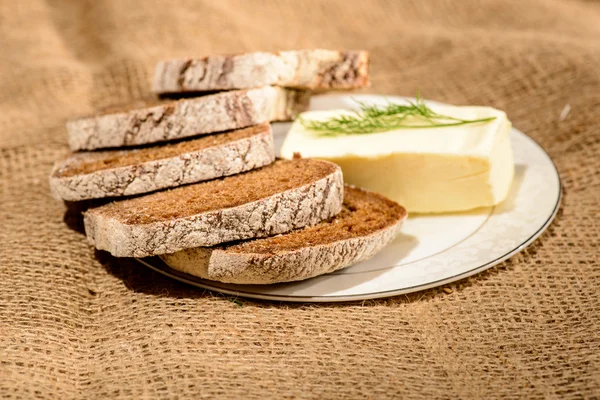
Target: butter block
{"x":427,"y":170}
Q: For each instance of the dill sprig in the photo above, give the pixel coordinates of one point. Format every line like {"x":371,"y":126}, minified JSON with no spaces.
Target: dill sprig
{"x":372,"y":119}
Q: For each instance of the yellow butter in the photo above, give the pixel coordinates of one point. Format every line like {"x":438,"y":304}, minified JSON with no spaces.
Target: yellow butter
{"x":426,"y":170}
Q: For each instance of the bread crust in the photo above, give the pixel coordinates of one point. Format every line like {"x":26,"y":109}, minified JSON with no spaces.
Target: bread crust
{"x":220,"y":264}
{"x":189,"y":167}
{"x":248,"y":268}
{"x":304,"y":69}
{"x":185,"y":118}
{"x":279,"y":213}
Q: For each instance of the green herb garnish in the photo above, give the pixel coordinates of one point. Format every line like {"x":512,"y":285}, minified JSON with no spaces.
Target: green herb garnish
{"x":372,"y":119}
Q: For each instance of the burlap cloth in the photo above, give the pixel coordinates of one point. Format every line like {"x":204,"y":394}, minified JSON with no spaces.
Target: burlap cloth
{"x":75,"y":325}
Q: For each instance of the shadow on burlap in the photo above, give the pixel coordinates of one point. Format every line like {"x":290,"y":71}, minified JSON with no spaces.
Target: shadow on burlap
{"x":76,"y":324}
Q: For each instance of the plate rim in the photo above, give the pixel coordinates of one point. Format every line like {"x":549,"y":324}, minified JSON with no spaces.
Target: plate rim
{"x":197,"y":282}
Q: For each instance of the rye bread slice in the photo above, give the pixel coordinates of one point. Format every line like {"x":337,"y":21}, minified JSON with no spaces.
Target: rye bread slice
{"x":367,"y":223}
{"x":285,"y":195}
{"x":185,"y":118}
{"x":303,"y":69}
{"x":95,"y":175}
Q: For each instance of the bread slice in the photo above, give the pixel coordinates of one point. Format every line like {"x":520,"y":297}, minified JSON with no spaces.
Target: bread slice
{"x":304,"y":69}
{"x":367,"y":223}
{"x":188,"y":117}
{"x":285,"y":195}
{"x":95,"y":175}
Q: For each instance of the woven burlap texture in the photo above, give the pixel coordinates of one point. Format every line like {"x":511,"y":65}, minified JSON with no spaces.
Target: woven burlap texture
{"x":76,"y":324}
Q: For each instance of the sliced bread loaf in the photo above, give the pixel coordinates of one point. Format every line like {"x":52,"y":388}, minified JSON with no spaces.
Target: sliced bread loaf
{"x":367,"y":223}
{"x":94,"y":175}
{"x":184,"y":118}
{"x":285,"y":195}
{"x":304,"y":69}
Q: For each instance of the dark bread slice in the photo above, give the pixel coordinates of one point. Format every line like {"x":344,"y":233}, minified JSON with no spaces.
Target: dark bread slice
{"x":94,"y":175}
{"x":185,"y":118}
{"x":285,"y":195}
{"x":304,"y":69}
{"x":367,"y":223}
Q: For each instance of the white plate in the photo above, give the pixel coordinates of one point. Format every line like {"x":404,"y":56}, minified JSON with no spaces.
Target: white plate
{"x":433,"y":250}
